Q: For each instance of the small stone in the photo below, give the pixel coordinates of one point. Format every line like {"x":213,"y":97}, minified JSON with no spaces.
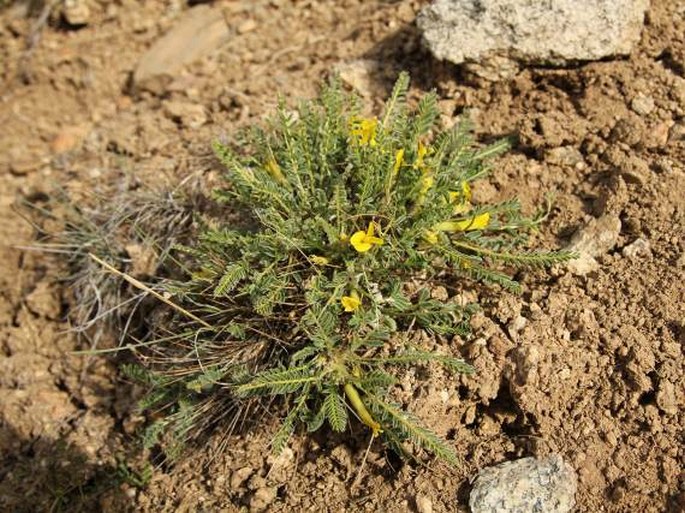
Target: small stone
{"x":666,"y":398}
{"x":656,"y":136}
{"x":197,"y":33}
{"x":440,"y":293}
{"x":635,"y":170}
{"x":123,"y":102}
{"x":642,"y":105}
{"x":564,"y":156}
{"x":190,"y":115}
{"x":424,"y":504}
{"x":677,"y":131}
{"x":76,"y":12}
{"x":488,"y":426}
{"x":637,"y":248}
{"x":359,"y":74}
{"x":68,"y":138}
{"x":111,"y":11}
{"x":632,"y":168}
{"x":24,"y":165}
{"x":597,"y":238}
{"x":536,"y":312}
{"x":143,"y":260}
{"x":527,"y":485}
{"x":247,"y":26}
{"x":630,"y":131}
{"x":281,"y":465}
{"x":470,"y":415}
{"x":516,"y":326}
{"x":663,"y":165}
{"x":444,"y":396}
{"x":239,"y":477}
{"x":263,"y":498}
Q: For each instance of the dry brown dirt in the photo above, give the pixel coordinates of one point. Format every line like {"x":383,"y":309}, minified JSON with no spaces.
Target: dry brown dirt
{"x":587,"y":366}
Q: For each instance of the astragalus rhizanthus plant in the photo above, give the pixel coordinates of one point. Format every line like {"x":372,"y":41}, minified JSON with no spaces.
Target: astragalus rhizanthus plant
{"x":350,"y":221}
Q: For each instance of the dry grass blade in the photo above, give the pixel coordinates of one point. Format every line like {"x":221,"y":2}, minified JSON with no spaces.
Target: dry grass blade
{"x":140,"y":285}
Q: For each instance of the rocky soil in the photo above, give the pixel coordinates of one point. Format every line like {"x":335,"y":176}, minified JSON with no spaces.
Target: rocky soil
{"x":587,"y":363}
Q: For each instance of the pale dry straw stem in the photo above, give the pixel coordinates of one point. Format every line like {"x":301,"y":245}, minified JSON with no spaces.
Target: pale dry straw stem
{"x":140,"y":285}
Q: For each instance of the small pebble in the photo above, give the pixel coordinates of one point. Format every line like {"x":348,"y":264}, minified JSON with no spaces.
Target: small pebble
{"x":424,"y":504}
{"x":76,"y":12}
{"x":247,"y":26}
{"x":190,"y":115}
{"x":263,"y":498}
{"x":642,"y":105}
{"x":639,"y":247}
{"x":239,"y":477}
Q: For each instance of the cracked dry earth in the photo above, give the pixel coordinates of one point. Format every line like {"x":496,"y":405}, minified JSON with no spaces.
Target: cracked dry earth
{"x":588,"y":365}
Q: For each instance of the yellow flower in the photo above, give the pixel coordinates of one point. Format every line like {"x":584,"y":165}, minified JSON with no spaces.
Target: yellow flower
{"x":362,"y":240}
{"x":364,"y":130}
{"x":421,"y":152}
{"x":274,"y":170}
{"x":399,"y":157}
{"x":319,"y":260}
{"x":427,"y":179}
{"x":464,"y":205}
{"x":426,"y":183}
{"x":466,"y":191}
{"x":352,"y":302}
{"x":461,"y":208}
{"x":475,"y":223}
{"x":430,"y":237}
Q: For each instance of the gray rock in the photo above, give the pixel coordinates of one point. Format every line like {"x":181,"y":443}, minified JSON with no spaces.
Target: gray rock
{"x":528,"y":485}
{"x":598,"y":237}
{"x":199,"y":32}
{"x":496,"y":33}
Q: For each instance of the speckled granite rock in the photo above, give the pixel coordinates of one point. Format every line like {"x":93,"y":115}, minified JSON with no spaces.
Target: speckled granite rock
{"x":496,"y":35}
{"x":528,"y":485}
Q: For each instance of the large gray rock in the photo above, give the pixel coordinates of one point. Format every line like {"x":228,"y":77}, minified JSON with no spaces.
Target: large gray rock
{"x":196,"y":34}
{"x":528,"y":485}
{"x":495,"y":35}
